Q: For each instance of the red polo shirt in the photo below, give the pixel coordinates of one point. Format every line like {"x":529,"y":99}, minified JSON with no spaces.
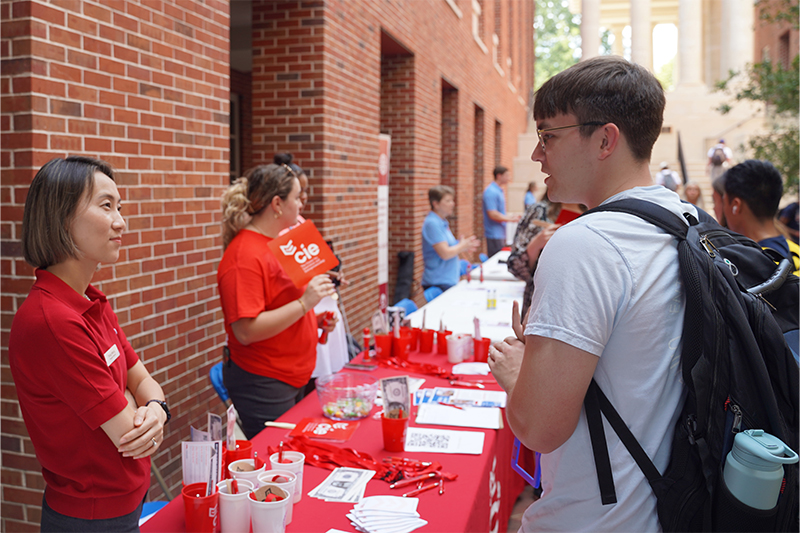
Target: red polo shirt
{"x":251,"y":281}
{"x":70,"y":361}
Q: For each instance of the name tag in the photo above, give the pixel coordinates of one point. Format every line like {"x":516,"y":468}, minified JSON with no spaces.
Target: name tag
{"x":111,"y":354}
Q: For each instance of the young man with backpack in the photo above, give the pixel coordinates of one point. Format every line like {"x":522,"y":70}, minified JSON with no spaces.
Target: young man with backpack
{"x":607,"y":328}
{"x":607,"y":305}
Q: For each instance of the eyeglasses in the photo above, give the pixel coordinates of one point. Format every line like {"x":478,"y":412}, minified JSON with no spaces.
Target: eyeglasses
{"x":544,"y":142}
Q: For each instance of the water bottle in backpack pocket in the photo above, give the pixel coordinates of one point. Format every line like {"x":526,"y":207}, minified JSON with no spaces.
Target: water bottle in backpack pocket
{"x":753,"y":478}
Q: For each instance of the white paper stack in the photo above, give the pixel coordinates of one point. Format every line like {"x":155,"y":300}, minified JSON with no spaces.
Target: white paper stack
{"x":386,"y":514}
{"x":343,"y":485}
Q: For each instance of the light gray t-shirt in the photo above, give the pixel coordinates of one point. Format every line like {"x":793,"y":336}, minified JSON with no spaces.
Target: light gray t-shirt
{"x":608,"y":284}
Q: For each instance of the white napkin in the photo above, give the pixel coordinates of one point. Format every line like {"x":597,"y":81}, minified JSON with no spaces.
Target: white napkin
{"x":473,"y":369}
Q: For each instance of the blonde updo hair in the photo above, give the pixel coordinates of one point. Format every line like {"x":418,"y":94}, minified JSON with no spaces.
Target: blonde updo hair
{"x":251,"y":194}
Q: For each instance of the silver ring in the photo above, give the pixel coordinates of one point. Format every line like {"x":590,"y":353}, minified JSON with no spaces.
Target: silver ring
{"x":154,"y":441}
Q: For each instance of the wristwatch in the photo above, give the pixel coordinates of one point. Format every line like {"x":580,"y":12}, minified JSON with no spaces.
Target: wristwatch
{"x":163,"y":405}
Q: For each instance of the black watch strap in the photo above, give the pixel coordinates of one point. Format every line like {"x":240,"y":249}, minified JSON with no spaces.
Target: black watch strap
{"x":163,"y":405}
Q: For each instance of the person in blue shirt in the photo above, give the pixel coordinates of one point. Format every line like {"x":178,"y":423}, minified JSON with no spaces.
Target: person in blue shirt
{"x":440,"y":248}
{"x":494,"y":212}
{"x":530,"y":195}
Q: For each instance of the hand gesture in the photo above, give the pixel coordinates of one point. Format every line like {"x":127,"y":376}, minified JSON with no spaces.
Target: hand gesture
{"x":505,"y":360}
{"x":469,"y":244}
{"x":328,"y":324}
{"x":516,"y":322}
{"x":536,"y":244}
{"x":318,"y":288}
{"x":147,"y":433}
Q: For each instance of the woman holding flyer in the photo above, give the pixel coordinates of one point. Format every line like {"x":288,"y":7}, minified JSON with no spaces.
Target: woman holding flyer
{"x":270,"y":323}
{"x":78,"y":379}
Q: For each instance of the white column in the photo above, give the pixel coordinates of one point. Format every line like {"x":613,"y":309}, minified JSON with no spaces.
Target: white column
{"x":736,"y":32}
{"x":641,"y":34}
{"x":690,"y":42}
{"x":590,"y":28}
{"x":618,"y":49}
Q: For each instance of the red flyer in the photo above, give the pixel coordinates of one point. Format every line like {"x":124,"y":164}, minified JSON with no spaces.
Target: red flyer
{"x":303,"y":253}
{"x":322,"y":428}
{"x":566,"y":216}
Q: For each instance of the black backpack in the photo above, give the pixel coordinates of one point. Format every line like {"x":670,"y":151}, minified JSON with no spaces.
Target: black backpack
{"x":718,"y":157}
{"x":739,"y":372}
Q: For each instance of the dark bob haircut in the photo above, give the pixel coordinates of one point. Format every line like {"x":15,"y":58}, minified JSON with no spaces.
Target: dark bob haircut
{"x":53,"y":199}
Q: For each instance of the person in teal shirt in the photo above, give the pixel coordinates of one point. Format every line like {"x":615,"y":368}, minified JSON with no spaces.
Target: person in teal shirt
{"x":440,"y":248}
{"x":494,"y":211}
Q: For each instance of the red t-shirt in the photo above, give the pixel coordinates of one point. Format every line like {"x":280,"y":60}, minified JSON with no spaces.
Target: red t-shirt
{"x":70,"y":362}
{"x":251,"y":281}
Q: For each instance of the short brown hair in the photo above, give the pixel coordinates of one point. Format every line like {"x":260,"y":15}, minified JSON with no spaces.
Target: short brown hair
{"x":607,"y":89}
{"x":53,"y":199}
{"x":436,"y":194}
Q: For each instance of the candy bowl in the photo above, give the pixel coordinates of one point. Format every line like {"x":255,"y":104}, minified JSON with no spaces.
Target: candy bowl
{"x":346,"y":396}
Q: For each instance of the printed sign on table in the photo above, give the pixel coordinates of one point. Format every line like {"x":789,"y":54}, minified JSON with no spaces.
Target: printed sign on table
{"x":303,"y":253}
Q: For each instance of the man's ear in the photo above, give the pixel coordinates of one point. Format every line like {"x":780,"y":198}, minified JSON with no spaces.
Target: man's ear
{"x":609,"y":141}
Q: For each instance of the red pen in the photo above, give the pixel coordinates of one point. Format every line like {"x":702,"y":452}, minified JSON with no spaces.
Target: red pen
{"x":420,"y":491}
{"x":326,"y":320}
{"x":451,"y":405}
{"x":411,"y":481}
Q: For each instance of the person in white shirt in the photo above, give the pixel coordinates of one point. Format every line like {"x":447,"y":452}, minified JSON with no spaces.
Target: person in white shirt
{"x":607,"y":305}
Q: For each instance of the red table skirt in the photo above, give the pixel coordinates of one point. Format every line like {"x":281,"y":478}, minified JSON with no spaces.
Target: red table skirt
{"x":480,"y":500}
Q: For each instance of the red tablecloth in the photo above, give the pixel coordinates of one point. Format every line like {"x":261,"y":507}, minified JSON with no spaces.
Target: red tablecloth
{"x":481,"y":499}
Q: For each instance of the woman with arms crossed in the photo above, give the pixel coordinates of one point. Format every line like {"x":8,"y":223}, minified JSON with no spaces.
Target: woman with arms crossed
{"x":270,"y":323}
{"x":78,"y":379}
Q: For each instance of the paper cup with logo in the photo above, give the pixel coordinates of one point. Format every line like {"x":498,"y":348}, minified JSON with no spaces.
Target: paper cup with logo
{"x":283,"y":479}
{"x":245,"y":469}
{"x":269,"y":517}
{"x":234,"y":509}
{"x":200,"y":510}
{"x":295,"y":463}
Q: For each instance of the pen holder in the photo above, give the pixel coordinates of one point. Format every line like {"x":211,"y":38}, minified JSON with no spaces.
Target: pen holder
{"x":200,"y":511}
{"x":244,"y":450}
{"x":394,"y":433}
{"x":426,"y":340}
{"x":441,"y":341}
{"x":481,"y":349}
{"x":458,"y":348}
{"x":401,"y":345}
{"x":414,"y":338}
{"x":383,"y":346}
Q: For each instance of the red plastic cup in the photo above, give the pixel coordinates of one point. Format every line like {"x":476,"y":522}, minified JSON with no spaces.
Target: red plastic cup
{"x":201,"y":511}
{"x":401,"y":345}
{"x":383,"y":346}
{"x":441,"y":341}
{"x":481,"y":347}
{"x":394,"y":433}
{"x":414,"y":333}
{"x":244,"y":450}
{"x":426,"y":340}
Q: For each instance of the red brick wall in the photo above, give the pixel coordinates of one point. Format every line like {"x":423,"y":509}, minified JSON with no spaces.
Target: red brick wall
{"x":322,"y":91}
{"x":144,"y":86}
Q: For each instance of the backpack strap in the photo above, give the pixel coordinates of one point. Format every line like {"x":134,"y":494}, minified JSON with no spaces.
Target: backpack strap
{"x":596,"y":402}
{"x":692,"y":339}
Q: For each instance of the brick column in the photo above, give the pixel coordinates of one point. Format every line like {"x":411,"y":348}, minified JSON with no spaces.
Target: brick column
{"x":144,"y":86}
